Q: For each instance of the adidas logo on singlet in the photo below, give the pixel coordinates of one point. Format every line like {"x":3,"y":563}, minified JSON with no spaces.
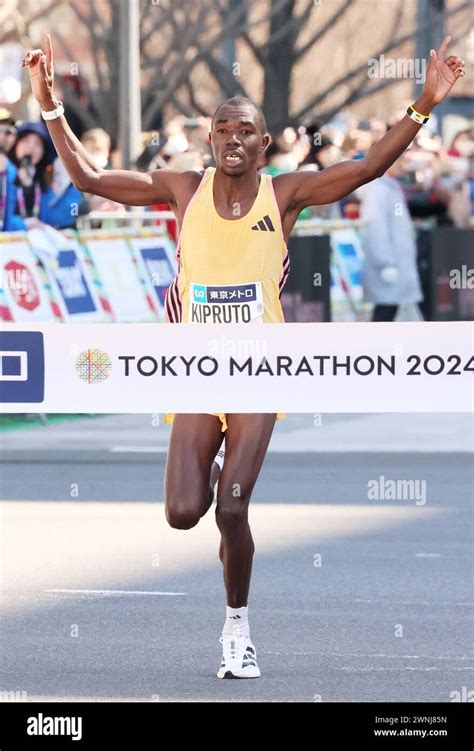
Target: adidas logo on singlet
{"x":264,"y":225}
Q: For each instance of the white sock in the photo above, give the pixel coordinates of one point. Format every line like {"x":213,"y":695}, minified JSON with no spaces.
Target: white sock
{"x":236,"y":617}
{"x":219,"y":458}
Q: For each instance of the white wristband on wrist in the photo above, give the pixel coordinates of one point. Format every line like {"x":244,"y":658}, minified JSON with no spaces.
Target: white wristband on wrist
{"x":53,"y":114}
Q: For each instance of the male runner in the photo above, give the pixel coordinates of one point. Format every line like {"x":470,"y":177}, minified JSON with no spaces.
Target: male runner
{"x":234,"y":223}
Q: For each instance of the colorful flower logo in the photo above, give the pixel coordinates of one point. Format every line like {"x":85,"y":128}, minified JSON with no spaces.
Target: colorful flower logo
{"x":93,"y":366}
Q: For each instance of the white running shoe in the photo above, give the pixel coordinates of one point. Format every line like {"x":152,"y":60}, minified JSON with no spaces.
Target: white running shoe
{"x":239,"y":658}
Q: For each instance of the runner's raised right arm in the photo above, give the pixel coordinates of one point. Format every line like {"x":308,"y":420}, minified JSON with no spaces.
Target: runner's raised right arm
{"x":124,"y":186}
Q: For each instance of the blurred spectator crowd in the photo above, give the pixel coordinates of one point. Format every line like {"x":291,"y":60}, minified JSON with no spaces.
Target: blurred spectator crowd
{"x":437,"y":180}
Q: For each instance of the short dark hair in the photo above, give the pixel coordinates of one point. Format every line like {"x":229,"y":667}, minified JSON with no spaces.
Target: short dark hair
{"x":243,"y":101}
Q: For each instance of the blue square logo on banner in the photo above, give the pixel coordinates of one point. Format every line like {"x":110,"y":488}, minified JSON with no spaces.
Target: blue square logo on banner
{"x":21,"y":366}
{"x":72,"y":284}
{"x":159,"y":270}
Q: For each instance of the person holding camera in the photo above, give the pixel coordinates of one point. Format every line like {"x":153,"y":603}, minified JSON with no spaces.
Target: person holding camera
{"x":9,"y":220}
{"x":44,"y":193}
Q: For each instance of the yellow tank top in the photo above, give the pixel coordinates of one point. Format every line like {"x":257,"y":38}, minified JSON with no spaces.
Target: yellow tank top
{"x":229,"y":270}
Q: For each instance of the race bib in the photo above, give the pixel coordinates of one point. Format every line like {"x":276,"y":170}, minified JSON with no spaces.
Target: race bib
{"x":232,"y":303}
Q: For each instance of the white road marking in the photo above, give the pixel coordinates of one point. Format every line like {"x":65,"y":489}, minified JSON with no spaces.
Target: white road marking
{"x":138,"y":450}
{"x":393,"y":670}
{"x":357,"y":655}
{"x":427,"y":555}
{"x":112,"y":592}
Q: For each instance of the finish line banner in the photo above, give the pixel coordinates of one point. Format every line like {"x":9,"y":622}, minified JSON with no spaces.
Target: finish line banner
{"x":292,"y":367}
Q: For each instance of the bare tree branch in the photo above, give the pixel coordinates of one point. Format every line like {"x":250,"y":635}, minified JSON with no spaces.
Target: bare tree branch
{"x":228,"y":82}
{"x":335,"y":18}
{"x":363,"y":66}
{"x":86,"y":20}
{"x":180,"y":106}
{"x":293,"y":27}
{"x":361,"y":91}
{"x":193,"y":101}
{"x":20,"y":21}
{"x":166,"y":15}
{"x":355,"y":95}
{"x":257,"y":51}
{"x":72,"y":99}
{"x":179,"y":74}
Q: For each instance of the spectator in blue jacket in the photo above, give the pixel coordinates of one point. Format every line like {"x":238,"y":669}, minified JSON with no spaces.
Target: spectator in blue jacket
{"x":9,"y":221}
{"x":61,"y":203}
{"x":44,"y":192}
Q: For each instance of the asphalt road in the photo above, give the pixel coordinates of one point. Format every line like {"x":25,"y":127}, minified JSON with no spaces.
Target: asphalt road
{"x":352,"y":598}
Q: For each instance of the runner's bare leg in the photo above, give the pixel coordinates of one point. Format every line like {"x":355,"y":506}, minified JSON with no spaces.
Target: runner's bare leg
{"x":247,"y":438}
{"x":194,"y":442}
